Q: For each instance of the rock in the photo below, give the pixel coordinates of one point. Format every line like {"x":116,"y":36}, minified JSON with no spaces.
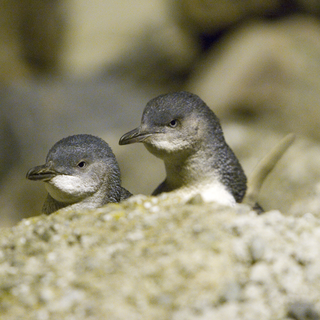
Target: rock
{"x":73,"y":38}
{"x":42,"y":30}
{"x":267,"y":72}
{"x":98,"y":32}
{"x":301,"y":310}
{"x":211,"y":16}
{"x":12,"y":65}
{"x":293,"y":185}
{"x":158,"y":258}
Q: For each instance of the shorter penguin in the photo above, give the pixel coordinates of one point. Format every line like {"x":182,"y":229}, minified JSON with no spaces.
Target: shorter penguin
{"x":81,"y":172}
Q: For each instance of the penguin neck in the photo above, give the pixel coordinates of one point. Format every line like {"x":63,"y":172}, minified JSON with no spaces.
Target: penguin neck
{"x":51,"y":205}
{"x":198,"y":174}
{"x":191,"y":169}
{"x":109,"y":191}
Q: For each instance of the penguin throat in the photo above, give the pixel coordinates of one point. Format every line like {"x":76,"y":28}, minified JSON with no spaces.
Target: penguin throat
{"x":190,"y":170}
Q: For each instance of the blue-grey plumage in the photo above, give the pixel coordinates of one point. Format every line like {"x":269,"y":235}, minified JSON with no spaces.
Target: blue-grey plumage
{"x":82,"y":172}
{"x":184,"y":132}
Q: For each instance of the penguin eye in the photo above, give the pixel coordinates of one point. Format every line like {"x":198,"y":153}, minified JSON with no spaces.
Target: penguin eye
{"x":81,"y":164}
{"x":173,"y":123}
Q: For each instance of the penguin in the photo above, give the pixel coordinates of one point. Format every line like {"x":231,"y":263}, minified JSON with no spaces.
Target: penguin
{"x":184,"y":132}
{"x":81,"y":172}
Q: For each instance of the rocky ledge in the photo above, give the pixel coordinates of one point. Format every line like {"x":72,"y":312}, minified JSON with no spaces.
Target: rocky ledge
{"x":159,"y":258}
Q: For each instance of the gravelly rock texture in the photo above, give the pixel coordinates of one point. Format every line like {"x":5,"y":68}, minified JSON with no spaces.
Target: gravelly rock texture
{"x":158,"y":258}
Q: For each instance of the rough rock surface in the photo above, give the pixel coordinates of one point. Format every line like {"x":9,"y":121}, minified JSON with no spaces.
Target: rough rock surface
{"x":157,"y":258}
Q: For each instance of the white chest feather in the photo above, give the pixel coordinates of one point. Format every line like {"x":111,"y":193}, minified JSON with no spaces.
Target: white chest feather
{"x":170,"y":145}
{"x":210,"y":192}
{"x":69,"y":189}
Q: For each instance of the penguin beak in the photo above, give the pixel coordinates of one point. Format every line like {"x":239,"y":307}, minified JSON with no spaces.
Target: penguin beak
{"x":135,"y":135}
{"x":42,"y":173}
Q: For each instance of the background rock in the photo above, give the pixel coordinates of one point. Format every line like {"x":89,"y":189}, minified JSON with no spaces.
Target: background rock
{"x":266,"y":71}
{"x":293,"y":185}
{"x":255,"y":64}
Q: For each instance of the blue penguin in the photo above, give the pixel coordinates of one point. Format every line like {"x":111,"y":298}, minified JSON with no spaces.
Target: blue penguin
{"x":81,"y":172}
{"x":184,"y":132}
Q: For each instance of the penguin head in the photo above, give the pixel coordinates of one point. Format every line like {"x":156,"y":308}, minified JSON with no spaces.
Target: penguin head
{"x":175,"y":123}
{"x":76,"y":167}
